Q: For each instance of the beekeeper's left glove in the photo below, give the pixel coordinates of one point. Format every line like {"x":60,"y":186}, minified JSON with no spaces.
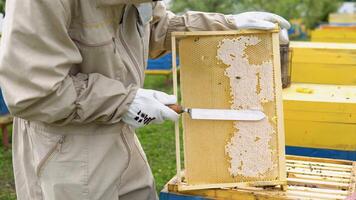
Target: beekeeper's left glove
{"x":262,"y":21}
{"x":149,"y":106}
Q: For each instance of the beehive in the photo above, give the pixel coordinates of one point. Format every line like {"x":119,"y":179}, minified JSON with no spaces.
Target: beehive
{"x":334,"y":35}
{"x":320,"y":116}
{"x":231,"y":70}
{"x":323,"y":63}
{"x":345,"y":18}
{"x":307,"y":178}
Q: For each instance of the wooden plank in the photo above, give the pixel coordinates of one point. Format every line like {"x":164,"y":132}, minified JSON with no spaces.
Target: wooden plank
{"x":333,"y":63}
{"x":322,"y":135}
{"x":323,"y":98}
{"x":336,"y":74}
{"x":176,"y":124}
{"x":312,"y":195}
{"x":321,"y":161}
{"x":6,"y":119}
{"x":318,"y":190}
{"x":329,"y":117}
{"x":312,"y":163}
{"x":325,"y":35}
{"x":158,"y":72}
{"x":296,"y":45}
{"x":336,"y":27}
{"x":316,"y":167}
{"x":279,"y":108}
{"x":184,"y":187}
{"x":322,"y":173}
{"x":324,"y":57}
{"x":342,"y":18}
{"x":221,"y":33}
{"x":318,"y":184}
{"x":318,"y":178}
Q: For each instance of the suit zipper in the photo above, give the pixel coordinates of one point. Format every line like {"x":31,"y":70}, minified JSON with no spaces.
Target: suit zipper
{"x":94,"y":45}
{"x":57,"y":147}
{"x":129,"y":53}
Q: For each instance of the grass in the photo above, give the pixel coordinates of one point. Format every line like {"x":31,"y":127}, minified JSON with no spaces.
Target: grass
{"x":7,"y":186}
{"x":157,"y":141}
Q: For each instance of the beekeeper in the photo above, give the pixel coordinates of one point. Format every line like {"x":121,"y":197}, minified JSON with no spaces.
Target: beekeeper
{"x":72,"y":73}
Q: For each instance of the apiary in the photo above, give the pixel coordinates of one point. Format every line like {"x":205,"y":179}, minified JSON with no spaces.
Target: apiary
{"x":235,"y":70}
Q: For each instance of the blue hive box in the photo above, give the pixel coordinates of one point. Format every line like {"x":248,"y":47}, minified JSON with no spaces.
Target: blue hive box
{"x":162,"y":63}
{"x":3,"y":107}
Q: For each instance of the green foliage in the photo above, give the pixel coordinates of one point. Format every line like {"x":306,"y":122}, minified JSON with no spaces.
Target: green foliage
{"x":221,"y":6}
{"x":7,"y":185}
{"x":312,"y":12}
{"x":2,"y":6}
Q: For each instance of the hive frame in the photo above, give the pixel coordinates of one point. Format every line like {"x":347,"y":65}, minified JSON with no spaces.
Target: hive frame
{"x":307,"y":176}
{"x":182,"y":186}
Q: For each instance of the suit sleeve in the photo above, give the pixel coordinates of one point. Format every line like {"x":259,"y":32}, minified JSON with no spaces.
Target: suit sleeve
{"x":165,"y":22}
{"x":36,"y":58}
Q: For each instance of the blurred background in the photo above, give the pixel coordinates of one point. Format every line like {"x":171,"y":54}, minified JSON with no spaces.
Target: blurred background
{"x":158,"y":140}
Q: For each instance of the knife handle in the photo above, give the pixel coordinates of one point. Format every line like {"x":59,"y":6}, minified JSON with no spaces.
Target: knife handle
{"x":177,"y":108}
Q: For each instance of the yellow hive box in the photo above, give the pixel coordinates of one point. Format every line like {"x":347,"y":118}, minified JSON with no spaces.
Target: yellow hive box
{"x":320,"y":116}
{"x":323,"y":63}
{"x":342,"y":18}
{"x":329,"y":35}
{"x":338,"y":28}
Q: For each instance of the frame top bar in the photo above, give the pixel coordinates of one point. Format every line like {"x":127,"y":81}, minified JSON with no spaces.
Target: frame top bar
{"x":232,"y":32}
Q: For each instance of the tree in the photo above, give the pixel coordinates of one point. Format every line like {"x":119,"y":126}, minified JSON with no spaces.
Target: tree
{"x":2,"y":6}
{"x":221,"y":6}
{"x":310,"y":11}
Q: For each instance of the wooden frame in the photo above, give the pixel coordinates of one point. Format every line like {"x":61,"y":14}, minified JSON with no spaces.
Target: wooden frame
{"x":181,"y":185}
{"x":308,"y":178}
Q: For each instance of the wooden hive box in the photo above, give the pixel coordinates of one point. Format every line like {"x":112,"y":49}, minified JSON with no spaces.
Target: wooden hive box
{"x":333,"y":35}
{"x":337,"y":27}
{"x":323,"y":63}
{"x":343,"y":18}
{"x":307,"y":178}
{"x":230,"y":70}
{"x":320,"y":116}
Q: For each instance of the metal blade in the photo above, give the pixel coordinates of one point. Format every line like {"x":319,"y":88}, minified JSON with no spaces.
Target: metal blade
{"x":222,"y":114}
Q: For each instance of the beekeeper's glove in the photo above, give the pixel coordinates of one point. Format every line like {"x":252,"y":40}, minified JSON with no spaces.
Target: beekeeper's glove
{"x":149,"y":106}
{"x":263,"y":21}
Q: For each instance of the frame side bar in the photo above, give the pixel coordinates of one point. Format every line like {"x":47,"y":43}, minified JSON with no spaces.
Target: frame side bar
{"x":279,"y":105}
{"x":175,"y":92}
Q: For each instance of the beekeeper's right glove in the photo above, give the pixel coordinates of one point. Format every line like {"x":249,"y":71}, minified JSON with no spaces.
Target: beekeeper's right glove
{"x":149,"y":106}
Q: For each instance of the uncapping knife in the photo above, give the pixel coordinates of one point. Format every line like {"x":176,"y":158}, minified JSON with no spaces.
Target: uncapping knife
{"x":220,"y":114}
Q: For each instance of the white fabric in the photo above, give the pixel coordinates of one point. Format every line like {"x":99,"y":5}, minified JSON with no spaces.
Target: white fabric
{"x":1,"y":21}
{"x":149,"y":106}
{"x":263,"y":21}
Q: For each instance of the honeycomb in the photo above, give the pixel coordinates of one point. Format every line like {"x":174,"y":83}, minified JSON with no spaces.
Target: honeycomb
{"x":229,"y":72}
